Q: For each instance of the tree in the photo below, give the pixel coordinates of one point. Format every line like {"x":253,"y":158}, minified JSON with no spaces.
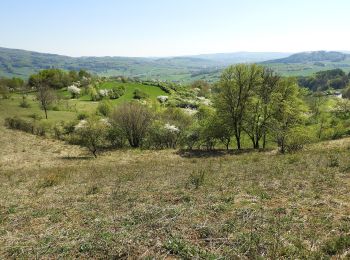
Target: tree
{"x":4,"y":91}
{"x":235,"y":89}
{"x":202,"y":86}
{"x":91,"y":134}
{"x":288,"y":110}
{"x":134,"y":120}
{"x":53,"y":78}
{"x":45,"y":95}
{"x":318,"y":99}
{"x":259,"y":108}
{"x":346,"y":93}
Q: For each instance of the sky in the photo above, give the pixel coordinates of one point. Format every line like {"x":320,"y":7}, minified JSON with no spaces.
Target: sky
{"x":173,"y":27}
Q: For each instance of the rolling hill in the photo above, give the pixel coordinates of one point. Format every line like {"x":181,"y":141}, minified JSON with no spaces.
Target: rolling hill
{"x":307,"y":63}
{"x":314,"y":56}
{"x":21,"y":63}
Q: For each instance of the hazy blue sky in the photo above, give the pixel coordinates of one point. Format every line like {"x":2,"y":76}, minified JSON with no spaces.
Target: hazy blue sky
{"x":173,"y":27}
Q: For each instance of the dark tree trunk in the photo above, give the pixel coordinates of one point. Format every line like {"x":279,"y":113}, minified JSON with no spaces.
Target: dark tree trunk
{"x":264,"y":140}
{"x":228,"y":144}
{"x":238,"y":140}
{"x":256,"y":144}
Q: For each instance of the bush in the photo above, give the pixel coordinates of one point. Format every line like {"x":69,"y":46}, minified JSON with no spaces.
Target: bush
{"x":296,"y":139}
{"x":116,"y":92}
{"x":4,"y":91}
{"x":24,"y":102}
{"x":162,"y":135}
{"x":103,"y":93}
{"x":104,"y":108}
{"x":74,"y":90}
{"x":82,"y":116}
{"x":139,"y":94}
{"x":36,"y":116}
{"x":116,"y":137}
{"x":191,"y":138}
{"x":133,"y":119}
{"x":93,"y":94}
{"x":91,"y":134}
{"x":58,"y":130}
{"x":23,"y":125}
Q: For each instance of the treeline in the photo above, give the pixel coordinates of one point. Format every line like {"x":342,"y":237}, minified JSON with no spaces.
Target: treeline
{"x":325,"y":80}
{"x":251,"y":106}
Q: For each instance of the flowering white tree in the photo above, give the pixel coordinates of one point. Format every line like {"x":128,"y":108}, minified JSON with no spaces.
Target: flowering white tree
{"x":162,"y":99}
{"x":74,"y":90}
{"x":103,"y":92}
{"x":171,"y":128}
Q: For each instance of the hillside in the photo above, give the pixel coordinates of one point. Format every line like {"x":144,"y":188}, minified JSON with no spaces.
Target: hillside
{"x":22,"y":63}
{"x":237,"y":57}
{"x":308,"y":63}
{"x":316,"y":56}
{"x":57,"y":202}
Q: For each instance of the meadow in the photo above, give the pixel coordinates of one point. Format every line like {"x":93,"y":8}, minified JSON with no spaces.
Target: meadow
{"x":154,"y":202}
{"x":58,"y":202}
{"x":67,"y":109}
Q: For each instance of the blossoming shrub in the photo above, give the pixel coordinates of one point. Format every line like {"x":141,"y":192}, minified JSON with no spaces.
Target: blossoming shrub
{"x":162,"y":135}
{"x":74,"y":90}
{"x":103,"y":93}
{"x":162,"y":99}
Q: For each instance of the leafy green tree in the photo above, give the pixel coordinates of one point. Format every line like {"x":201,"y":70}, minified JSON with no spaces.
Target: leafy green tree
{"x":346,"y":93}
{"x":259,"y":108}
{"x":92,"y":134}
{"x":237,"y":84}
{"x":288,"y":111}
{"x":203,"y":86}
{"x":53,"y":78}
{"x":4,"y":91}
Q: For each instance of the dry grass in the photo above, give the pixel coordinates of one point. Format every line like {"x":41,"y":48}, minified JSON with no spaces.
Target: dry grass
{"x":55,"y":201}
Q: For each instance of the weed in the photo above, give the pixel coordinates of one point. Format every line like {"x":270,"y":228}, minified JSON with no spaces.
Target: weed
{"x":197,"y":178}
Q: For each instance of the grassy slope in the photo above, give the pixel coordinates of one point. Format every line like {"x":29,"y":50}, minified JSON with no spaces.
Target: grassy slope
{"x":70,"y":108}
{"x":56,"y":201}
{"x":152,"y":91}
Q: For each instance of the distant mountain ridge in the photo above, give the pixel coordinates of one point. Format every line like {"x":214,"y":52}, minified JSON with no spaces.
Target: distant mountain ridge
{"x":236,"y":57}
{"x":21,"y":63}
{"x":314,"y":56}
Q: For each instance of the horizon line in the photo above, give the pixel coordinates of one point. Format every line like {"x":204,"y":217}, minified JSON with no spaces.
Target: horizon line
{"x":175,"y":56}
